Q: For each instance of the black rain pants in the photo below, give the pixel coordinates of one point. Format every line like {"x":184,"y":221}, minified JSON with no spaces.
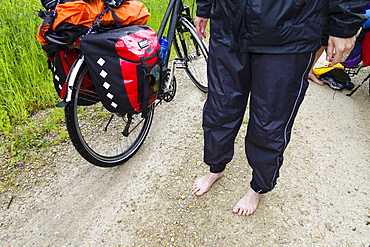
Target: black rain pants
{"x":276,"y":84}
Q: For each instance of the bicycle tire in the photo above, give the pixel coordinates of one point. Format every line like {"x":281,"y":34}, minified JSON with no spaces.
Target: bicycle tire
{"x":193,"y":51}
{"x":96,"y":133}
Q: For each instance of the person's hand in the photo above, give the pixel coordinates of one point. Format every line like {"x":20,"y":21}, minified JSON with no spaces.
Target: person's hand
{"x":200,"y":24}
{"x":339,"y":49}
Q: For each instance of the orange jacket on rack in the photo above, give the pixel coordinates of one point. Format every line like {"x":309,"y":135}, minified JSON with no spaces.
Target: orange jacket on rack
{"x":82,"y":13}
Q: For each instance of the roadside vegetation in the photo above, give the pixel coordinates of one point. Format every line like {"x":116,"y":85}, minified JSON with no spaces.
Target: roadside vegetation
{"x":25,"y":88}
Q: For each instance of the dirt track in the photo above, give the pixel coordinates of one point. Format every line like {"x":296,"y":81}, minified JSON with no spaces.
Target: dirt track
{"x":322,"y":197}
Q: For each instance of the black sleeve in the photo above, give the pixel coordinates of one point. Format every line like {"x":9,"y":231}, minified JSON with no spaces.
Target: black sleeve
{"x":204,"y":8}
{"x":346,"y":17}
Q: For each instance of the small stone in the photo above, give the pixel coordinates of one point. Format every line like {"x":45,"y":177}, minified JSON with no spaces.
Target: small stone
{"x":328,"y":226}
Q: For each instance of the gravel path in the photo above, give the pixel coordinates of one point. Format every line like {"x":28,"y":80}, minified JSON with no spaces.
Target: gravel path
{"x":322,"y":197}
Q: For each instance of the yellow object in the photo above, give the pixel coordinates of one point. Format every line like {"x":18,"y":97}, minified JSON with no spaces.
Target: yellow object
{"x":325,"y":68}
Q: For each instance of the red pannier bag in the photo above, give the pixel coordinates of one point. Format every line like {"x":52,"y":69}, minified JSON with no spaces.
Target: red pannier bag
{"x":366,"y":49}
{"x":60,"y":65}
{"x":124,"y":65}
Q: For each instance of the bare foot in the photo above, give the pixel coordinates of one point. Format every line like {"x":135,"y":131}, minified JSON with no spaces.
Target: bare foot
{"x":248,"y":204}
{"x":203,"y":184}
{"x":313,"y":78}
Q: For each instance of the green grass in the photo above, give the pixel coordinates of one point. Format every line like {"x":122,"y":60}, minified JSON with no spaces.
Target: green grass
{"x":26,"y":85}
{"x":157,"y":8}
{"x":24,"y":78}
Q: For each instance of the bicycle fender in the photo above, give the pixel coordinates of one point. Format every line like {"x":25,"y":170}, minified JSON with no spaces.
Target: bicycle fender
{"x":71,"y":78}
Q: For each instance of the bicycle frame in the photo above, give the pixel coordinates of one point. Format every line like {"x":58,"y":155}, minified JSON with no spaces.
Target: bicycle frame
{"x":174,"y":10}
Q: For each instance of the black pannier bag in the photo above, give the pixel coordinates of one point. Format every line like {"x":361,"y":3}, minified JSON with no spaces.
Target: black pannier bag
{"x":124,"y":65}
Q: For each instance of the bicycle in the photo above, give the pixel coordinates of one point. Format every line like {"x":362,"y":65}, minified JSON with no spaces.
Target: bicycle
{"x":108,"y":139}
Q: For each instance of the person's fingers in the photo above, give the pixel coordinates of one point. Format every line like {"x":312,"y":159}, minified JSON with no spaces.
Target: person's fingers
{"x":339,"y":49}
{"x":330,"y":52}
{"x":202,"y":30}
{"x":339,"y":58}
{"x":200,"y":25}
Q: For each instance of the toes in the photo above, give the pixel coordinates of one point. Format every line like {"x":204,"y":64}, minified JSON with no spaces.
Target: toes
{"x":199,"y":192}
{"x":237,"y":210}
{"x":242,"y":211}
{"x":195,"y":189}
{"x":195,"y":186}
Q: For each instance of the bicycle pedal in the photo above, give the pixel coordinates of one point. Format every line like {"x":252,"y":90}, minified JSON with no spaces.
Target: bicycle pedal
{"x":180,"y":64}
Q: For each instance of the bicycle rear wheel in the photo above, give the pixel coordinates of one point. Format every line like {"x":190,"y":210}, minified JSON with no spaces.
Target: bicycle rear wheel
{"x":193,"y":51}
{"x":103,"y":138}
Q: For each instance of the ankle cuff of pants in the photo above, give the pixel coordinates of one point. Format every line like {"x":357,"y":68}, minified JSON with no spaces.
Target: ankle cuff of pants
{"x":217,"y":169}
{"x":257,"y":189}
